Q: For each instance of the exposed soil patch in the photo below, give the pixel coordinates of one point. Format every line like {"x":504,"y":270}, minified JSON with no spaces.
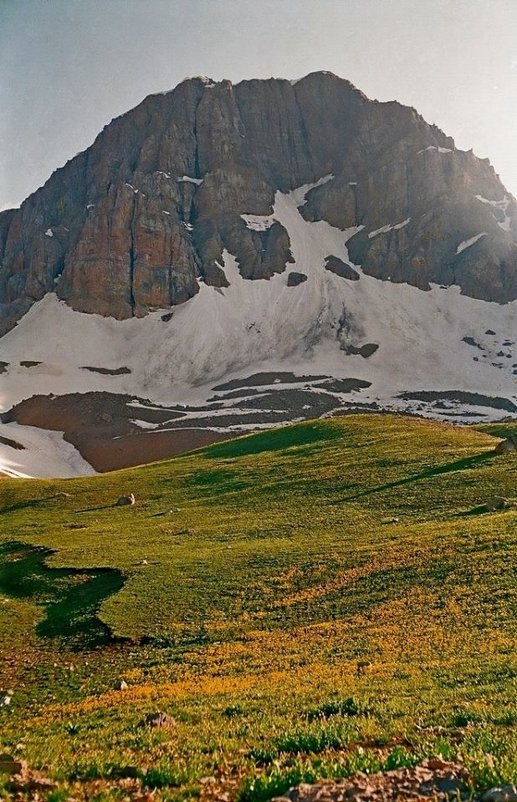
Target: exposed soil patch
{"x":6,"y":441}
{"x":235,"y":394}
{"x":433,"y":779}
{"x":234,"y":418}
{"x":201,"y":408}
{"x":462,"y":397}
{"x":343,"y":385}
{"x":258,"y":379}
{"x":353,"y":407}
{"x":332,"y":385}
{"x":3,"y":367}
{"x":144,"y":447}
{"x":304,"y":403}
{"x":110,"y":413}
{"x":101,"y":426}
{"x":113,"y":431}
{"x":29,"y":363}
{"x":108,"y":371}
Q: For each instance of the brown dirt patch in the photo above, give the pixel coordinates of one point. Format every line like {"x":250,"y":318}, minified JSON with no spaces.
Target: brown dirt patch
{"x":433,"y":779}
{"x":100,"y":426}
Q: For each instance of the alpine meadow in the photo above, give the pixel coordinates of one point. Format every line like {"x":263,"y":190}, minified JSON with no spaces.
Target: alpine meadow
{"x":258,"y":401}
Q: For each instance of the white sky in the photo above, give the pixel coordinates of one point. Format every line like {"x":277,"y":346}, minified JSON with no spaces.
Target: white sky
{"x":67,"y":67}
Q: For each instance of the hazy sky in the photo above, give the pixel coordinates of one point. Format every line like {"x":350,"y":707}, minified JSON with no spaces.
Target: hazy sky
{"x":67,"y":67}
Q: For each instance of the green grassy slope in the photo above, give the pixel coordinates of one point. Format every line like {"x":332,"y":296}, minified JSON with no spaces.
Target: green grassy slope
{"x":253,"y":579}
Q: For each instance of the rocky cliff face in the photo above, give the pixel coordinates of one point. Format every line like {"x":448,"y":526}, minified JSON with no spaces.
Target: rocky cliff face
{"x":138,"y":220}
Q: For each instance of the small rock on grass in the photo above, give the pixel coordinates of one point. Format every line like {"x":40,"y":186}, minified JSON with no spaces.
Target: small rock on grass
{"x":507,"y":446}
{"x":497,"y":503}
{"x":503,"y":793}
{"x":159,"y":719}
{"x":5,"y":698}
{"x":124,"y":501}
{"x":121,"y":685}
{"x":10,"y":765}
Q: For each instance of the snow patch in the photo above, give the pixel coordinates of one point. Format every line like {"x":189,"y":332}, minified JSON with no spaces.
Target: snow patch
{"x":144,"y":424}
{"x":255,"y":326}
{"x":434,"y":147}
{"x":502,"y":205}
{"x":44,"y":454}
{"x":187,"y":179}
{"x":468,"y":242}
{"x":258,"y":222}
{"x":389,"y":227}
{"x":298,"y":194}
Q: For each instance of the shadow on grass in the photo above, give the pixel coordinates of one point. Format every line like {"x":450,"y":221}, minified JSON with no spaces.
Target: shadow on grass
{"x":275,"y":440}
{"x":459,"y":465}
{"x":21,"y":505}
{"x":96,"y":509}
{"x":70,"y":597}
{"x":482,"y":509}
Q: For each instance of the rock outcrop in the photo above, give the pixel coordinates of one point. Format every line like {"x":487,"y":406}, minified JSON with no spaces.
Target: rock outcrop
{"x":136,"y":221}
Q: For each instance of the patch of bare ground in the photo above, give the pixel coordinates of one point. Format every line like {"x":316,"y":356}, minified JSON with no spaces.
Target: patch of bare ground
{"x":142,"y":447}
{"x":343,"y":385}
{"x":461,"y":397}
{"x":305,"y":403}
{"x":113,"y":431}
{"x":433,"y":779}
{"x":103,"y":429}
{"x":108,"y":371}
{"x":261,"y":379}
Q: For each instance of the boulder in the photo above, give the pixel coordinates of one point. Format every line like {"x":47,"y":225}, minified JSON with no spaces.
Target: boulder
{"x":502,"y":793}
{"x":159,"y":720}
{"x":507,"y":446}
{"x":5,"y":698}
{"x":340,"y":268}
{"x":124,"y":501}
{"x":294,"y":278}
{"x":497,"y":503}
{"x":11,"y":765}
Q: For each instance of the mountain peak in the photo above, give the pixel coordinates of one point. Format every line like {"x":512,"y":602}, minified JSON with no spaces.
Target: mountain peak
{"x":222,"y":231}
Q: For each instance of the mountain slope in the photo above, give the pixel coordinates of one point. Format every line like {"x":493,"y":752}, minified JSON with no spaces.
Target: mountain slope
{"x":218,"y":236}
{"x":110,"y":231}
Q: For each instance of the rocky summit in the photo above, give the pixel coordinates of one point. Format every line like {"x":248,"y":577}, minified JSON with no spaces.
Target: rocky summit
{"x":271,"y":227}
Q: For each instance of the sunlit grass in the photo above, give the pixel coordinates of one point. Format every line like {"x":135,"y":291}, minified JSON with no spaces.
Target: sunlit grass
{"x":305,"y":603}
